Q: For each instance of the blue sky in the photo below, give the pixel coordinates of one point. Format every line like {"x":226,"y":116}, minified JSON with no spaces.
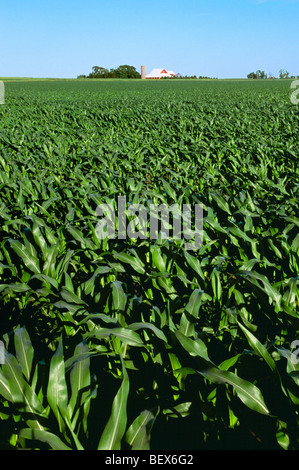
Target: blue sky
{"x":217,"y":38}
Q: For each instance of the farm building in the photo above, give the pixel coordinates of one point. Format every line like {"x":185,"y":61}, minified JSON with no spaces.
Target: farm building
{"x":160,"y":73}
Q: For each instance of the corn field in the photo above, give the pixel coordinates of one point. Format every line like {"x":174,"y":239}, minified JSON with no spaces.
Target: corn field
{"x":140,"y":344}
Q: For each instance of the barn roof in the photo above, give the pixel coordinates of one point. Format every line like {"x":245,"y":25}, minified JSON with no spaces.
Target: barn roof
{"x":159,"y":73}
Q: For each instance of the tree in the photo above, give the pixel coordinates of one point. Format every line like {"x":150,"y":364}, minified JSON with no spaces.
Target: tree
{"x":123,"y":71}
{"x":127,"y":71}
{"x":259,"y":74}
{"x":112,"y":73}
{"x":283,"y":73}
{"x":99,"y":72}
{"x":252,"y":75}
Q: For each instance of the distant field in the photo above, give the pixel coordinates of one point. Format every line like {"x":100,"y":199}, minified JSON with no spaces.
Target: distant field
{"x":138,"y":343}
{"x":213,"y":90}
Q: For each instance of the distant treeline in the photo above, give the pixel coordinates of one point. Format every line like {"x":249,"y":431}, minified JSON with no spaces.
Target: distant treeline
{"x":260,"y":74}
{"x":128,"y":71}
{"x":123,"y":71}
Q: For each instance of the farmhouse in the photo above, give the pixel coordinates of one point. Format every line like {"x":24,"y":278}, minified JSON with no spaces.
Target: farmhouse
{"x":160,"y":73}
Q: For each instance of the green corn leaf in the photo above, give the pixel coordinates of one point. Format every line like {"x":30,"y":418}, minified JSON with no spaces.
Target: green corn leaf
{"x":248,"y":393}
{"x":99,"y":316}
{"x":63,"y":263}
{"x":182,"y":410}
{"x":5,"y":387}
{"x":237,"y":232}
{"x":144,"y":325}
{"x":259,"y":348}
{"x":39,"y":238}
{"x":193,"y":347}
{"x":54,"y":441}
{"x":215,"y":225}
{"x":30,"y":247}
{"x":30,"y":261}
{"x":194,"y":263}
{"x":71,"y":298}
{"x":24,"y":350}
{"x":21,"y":393}
{"x":89,"y":285}
{"x":158,"y":259}
{"x":291,"y":296}
{"x":49,"y":281}
{"x":221,"y":203}
{"x":138,"y":435}
{"x":126,"y":335}
{"x":225,"y":365}
{"x":216,"y":285}
{"x":116,"y":426}
{"x":119,"y":298}
{"x":68,"y":283}
{"x":249,"y":264}
{"x":20,"y":287}
{"x":51,"y":254}
{"x":171,"y":192}
{"x":79,"y":379}
{"x":166,"y":284}
{"x":84,"y":356}
{"x":191,"y":313}
{"x":133,"y":261}
{"x":262,"y":283}
{"x":57,"y":393}
{"x":78,"y":236}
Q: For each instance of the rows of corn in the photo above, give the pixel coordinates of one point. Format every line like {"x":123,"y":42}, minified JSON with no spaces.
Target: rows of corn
{"x":140,"y":343}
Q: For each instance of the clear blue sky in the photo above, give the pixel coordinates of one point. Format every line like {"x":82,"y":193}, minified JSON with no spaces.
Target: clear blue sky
{"x":217,"y":38}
